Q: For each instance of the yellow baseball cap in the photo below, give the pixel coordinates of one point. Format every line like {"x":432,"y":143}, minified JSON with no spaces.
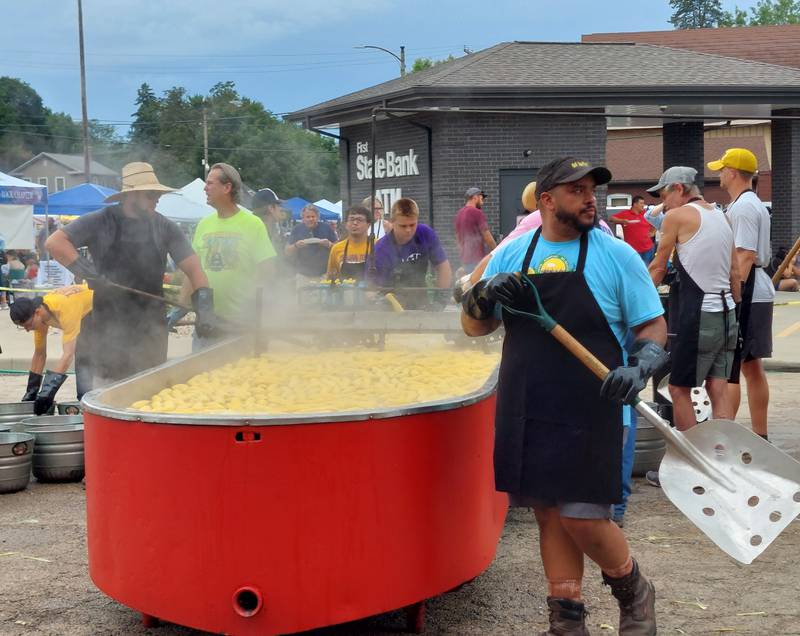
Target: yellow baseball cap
{"x":736,"y":158}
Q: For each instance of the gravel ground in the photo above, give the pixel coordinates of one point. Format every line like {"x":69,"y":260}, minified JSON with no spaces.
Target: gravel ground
{"x":45,"y":587}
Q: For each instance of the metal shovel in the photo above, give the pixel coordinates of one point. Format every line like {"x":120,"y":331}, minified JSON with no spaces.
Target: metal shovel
{"x":736,"y":487}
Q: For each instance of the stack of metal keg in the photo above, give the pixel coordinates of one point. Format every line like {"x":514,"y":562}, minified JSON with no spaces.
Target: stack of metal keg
{"x":49,"y":446}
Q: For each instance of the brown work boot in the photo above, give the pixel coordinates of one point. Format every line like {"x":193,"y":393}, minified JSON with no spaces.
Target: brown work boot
{"x":567,"y":618}
{"x":637,"y":603}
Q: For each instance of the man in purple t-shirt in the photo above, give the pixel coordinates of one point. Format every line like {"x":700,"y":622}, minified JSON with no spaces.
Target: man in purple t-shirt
{"x":403,"y":255}
{"x":472,"y":232}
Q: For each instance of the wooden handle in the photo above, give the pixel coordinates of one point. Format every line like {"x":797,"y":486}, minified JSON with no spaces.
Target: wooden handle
{"x":580,"y":352}
{"x":788,"y":259}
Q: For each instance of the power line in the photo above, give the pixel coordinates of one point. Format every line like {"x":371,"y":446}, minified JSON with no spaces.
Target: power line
{"x":184,"y":146}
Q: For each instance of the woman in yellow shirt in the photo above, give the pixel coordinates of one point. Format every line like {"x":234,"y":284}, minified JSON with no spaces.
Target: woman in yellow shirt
{"x":68,"y":309}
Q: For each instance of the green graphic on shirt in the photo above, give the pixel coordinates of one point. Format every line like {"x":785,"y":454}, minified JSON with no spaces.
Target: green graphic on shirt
{"x":221,"y":252}
{"x":554,"y":263}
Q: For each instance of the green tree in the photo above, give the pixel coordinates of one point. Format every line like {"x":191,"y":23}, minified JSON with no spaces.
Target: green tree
{"x":146,"y":118}
{"x":695,"y":14}
{"x":766,"y":12}
{"x":424,"y":63}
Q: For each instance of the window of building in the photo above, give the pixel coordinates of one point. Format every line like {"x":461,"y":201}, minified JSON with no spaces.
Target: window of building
{"x":43,"y":181}
{"x":61,"y":184}
{"x":619,"y":200}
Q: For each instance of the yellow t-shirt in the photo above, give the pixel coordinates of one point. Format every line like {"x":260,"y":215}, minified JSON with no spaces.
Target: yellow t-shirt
{"x":356,"y":253}
{"x":67,"y":306}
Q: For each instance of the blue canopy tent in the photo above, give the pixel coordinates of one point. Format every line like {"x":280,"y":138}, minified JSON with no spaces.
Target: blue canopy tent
{"x":80,"y":199}
{"x":296,"y":204}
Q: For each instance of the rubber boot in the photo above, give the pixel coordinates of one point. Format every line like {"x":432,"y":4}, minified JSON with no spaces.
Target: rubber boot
{"x":567,"y":618}
{"x":637,"y":603}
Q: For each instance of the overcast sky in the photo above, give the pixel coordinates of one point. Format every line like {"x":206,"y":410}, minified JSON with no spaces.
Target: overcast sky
{"x":287,"y":54}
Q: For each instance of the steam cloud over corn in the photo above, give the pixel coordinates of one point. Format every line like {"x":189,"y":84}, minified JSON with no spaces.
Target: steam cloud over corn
{"x":327,"y":381}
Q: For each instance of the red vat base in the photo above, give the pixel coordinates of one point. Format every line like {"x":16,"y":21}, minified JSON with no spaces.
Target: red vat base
{"x":319,"y":524}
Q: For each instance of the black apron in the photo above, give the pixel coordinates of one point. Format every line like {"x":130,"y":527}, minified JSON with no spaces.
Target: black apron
{"x":409,"y":274}
{"x":744,"y":314}
{"x":744,"y":320}
{"x":556,"y":438}
{"x":130,"y":332}
{"x":356,"y":271}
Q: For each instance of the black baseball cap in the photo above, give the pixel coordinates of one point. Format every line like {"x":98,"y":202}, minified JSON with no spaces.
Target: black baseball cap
{"x":567,"y":170}
{"x":265,"y":197}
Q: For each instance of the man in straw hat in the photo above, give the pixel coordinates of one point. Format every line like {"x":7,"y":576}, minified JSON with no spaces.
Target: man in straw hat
{"x":129,"y":244}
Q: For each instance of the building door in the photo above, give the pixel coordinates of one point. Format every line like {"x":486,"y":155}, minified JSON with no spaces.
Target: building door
{"x":512,"y":183}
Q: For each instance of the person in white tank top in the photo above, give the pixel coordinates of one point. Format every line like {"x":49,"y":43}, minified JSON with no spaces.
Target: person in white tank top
{"x":707,"y":288}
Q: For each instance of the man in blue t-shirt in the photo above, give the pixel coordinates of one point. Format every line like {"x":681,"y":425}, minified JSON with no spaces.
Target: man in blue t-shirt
{"x":558,"y":432}
{"x":403,"y":256}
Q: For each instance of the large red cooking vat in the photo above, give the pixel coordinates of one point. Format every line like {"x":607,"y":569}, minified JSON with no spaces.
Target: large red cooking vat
{"x":276,"y":525}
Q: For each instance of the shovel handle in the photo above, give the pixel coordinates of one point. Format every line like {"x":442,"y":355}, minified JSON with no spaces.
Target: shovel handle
{"x":579,"y":351}
{"x":787,"y":259}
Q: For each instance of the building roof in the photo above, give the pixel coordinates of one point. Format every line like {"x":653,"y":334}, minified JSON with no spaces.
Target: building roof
{"x":638,"y":158}
{"x":778,"y":44}
{"x":544,"y":74}
{"x":74,"y":163}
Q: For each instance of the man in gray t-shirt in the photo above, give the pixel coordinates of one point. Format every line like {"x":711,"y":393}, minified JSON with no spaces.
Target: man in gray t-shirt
{"x":751,"y":230}
{"x":129,"y":244}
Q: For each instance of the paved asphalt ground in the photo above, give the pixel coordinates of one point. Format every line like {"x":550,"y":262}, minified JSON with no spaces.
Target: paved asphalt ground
{"x":45,"y":588}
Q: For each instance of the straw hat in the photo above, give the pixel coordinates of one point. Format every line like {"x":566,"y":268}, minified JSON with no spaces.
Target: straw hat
{"x":529,"y":197}
{"x":138,"y":177}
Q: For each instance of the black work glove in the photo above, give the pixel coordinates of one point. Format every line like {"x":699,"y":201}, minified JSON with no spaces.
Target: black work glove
{"x":47,"y":394}
{"x":206,"y":324}
{"x":83,"y":268}
{"x":476,"y":302}
{"x":34,"y":382}
{"x":508,"y":290}
{"x":624,"y":383}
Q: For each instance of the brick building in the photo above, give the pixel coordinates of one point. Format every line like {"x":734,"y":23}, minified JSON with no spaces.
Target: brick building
{"x":494,"y":117}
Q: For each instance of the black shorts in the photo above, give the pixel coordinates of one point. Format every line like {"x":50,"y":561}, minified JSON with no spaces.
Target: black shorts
{"x":757,"y":342}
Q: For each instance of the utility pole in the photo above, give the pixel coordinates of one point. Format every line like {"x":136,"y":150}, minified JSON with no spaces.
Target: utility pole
{"x":87,"y":166}
{"x":205,"y":142}
{"x":402,"y":61}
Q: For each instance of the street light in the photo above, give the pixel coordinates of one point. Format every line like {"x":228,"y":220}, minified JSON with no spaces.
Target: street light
{"x":400,"y":58}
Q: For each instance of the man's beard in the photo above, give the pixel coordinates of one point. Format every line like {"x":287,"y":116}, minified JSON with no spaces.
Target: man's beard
{"x":572,"y":221}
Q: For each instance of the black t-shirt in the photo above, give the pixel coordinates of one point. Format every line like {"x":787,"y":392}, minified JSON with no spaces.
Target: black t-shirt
{"x":97,"y":231}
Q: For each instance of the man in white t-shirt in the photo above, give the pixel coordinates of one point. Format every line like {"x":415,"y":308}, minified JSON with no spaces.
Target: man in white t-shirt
{"x":751,"y":229}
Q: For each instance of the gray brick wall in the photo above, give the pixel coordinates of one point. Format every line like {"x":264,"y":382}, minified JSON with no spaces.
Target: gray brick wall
{"x":472,"y":149}
{"x":785,"y":180}
{"x":683,"y":145}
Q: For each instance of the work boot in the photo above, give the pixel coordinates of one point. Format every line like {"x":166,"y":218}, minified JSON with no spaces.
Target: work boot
{"x":637,"y":603}
{"x":567,"y":618}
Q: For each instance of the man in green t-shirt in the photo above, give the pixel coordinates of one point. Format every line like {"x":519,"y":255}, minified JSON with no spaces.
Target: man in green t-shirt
{"x":233,"y":246}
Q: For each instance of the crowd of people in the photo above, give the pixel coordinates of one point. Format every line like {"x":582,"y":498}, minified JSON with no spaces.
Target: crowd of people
{"x":569,"y":459}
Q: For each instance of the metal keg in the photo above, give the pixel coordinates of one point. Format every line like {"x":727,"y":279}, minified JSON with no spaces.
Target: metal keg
{"x":15,"y":411}
{"x":650,"y":446}
{"x":69,"y":408}
{"x":36,"y":424}
{"x":16,"y":452}
{"x":58,"y":454}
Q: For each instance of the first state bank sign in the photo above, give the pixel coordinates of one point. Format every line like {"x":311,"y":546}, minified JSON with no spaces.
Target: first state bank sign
{"x":387,"y":166}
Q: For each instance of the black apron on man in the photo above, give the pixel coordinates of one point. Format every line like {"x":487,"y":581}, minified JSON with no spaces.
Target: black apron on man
{"x":130,"y":332}
{"x":556,"y":439}
{"x":744,"y":321}
{"x":686,"y":305}
{"x":356,"y":271}
{"x":409,"y":277}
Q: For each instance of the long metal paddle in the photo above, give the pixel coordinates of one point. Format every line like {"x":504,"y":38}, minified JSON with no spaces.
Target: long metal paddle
{"x":736,"y":487}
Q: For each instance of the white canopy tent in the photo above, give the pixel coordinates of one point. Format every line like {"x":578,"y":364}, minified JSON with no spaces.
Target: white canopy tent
{"x":187,"y":204}
{"x":17,"y":198}
{"x":329,"y":205}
